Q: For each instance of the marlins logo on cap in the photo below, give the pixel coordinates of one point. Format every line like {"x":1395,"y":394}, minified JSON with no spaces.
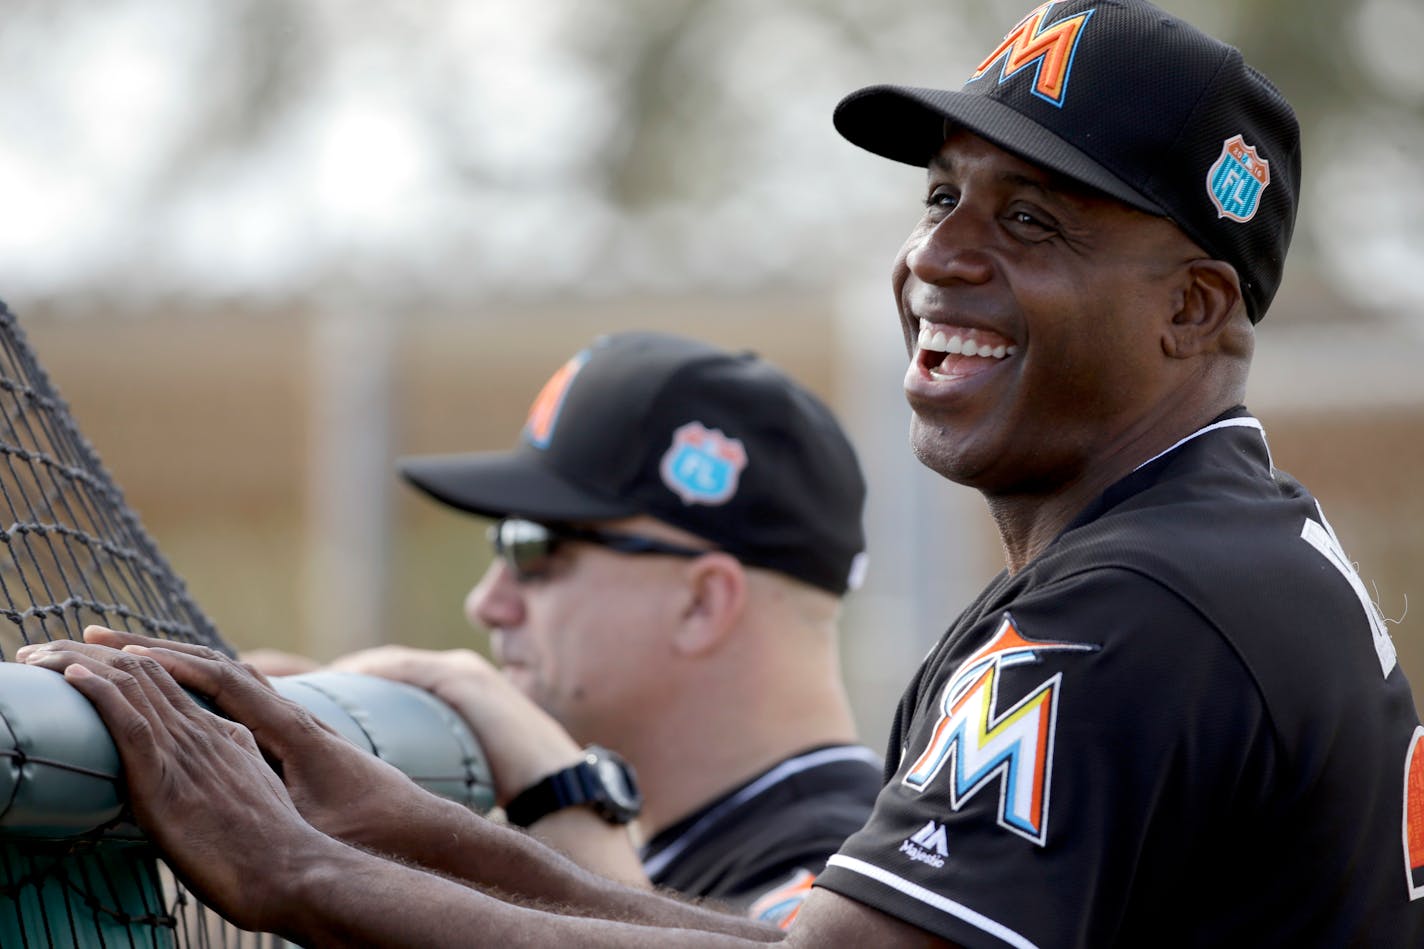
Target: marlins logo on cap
{"x":544,"y":413}
{"x":1048,"y":48}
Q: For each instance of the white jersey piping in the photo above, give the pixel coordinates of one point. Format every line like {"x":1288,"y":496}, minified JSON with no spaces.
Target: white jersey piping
{"x":931,"y":898}
{"x":791,"y":766}
{"x":1244,"y":421}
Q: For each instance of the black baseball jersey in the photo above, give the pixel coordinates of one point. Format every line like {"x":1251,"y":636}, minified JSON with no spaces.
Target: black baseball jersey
{"x":759,"y":847}
{"x":1181,"y":725}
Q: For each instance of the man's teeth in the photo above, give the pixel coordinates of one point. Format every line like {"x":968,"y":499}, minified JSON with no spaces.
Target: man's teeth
{"x":957,"y":344}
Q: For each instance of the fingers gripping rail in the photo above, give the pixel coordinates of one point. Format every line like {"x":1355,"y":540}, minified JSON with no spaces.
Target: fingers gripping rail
{"x":60,"y":775}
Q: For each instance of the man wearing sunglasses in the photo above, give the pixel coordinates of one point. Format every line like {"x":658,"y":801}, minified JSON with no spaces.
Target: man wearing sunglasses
{"x":673,"y":536}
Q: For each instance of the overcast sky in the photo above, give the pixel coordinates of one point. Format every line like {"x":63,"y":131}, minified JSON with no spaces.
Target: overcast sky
{"x":447,"y":148}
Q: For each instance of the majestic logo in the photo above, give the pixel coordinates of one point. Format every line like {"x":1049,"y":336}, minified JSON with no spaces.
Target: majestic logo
{"x":1049,"y":49}
{"x":703,"y":466}
{"x":928,"y":845}
{"x":544,"y":413}
{"x":780,"y":904}
{"x":978,"y":745}
{"x":1414,"y":815}
{"x":1237,"y":179}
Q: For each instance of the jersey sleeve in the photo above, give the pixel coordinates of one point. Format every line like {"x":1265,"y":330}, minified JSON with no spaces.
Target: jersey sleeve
{"x":1052,"y":760}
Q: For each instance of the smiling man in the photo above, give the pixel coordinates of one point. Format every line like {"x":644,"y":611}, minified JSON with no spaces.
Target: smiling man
{"x":1142,"y":731}
{"x":1175,"y":719}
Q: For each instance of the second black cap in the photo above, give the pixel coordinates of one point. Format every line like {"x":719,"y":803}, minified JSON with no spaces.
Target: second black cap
{"x":722,"y":445}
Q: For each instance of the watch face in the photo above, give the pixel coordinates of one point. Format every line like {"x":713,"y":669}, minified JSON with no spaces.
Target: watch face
{"x":615,"y":781}
{"x":623,"y":799}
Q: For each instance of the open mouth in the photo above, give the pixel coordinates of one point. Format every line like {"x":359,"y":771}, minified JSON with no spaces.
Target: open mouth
{"x":945,"y":351}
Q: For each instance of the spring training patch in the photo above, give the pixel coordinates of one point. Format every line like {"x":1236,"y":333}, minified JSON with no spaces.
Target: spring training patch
{"x":1237,"y":179}
{"x":702,"y":465}
{"x":1015,"y":746}
{"x":544,"y":413}
{"x":1050,"y":49}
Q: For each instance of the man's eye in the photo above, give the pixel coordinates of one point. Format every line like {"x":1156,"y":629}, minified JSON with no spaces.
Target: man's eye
{"x":941,"y":199}
{"x":1030,"y":221}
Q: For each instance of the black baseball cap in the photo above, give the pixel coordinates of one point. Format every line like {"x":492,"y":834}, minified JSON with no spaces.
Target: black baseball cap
{"x":722,"y":445}
{"x":1134,"y":102}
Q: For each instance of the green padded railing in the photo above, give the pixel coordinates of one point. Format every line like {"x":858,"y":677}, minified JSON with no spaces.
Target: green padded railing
{"x":74,"y":872}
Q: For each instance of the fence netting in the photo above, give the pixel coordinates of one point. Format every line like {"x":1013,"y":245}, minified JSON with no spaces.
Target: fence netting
{"x":73,"y":553}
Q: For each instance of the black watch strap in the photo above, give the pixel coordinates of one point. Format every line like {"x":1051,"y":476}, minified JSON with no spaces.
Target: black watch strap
{"x":538,"y":800}
{"x":602,"y":780}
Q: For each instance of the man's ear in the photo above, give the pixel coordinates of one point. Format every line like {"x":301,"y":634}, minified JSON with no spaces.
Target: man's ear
{"x":1210,"y":299}
{"x":716,"y":588}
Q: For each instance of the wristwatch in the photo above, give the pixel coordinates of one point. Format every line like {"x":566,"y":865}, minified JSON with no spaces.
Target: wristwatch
{"x":602,"y":780}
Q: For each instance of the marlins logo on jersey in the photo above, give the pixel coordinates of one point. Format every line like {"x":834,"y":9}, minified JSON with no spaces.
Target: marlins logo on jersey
{"x":1047,"y":47}
{"x":1414,"y":815}
{"x":976,"y":743}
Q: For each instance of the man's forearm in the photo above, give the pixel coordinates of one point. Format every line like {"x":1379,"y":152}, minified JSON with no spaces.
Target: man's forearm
{"x":448,"y":839}
{"x":592,"y":843}
{"x":341,"y":896}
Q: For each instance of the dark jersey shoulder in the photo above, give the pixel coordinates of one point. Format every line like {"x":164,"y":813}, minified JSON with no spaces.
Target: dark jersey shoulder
{"x":1251,"y":550}
{"x":773,"y":832}
{"x":1172,"y":707}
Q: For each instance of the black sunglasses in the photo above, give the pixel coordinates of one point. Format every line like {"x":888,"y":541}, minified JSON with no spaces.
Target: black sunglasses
{"x":528,"y":546}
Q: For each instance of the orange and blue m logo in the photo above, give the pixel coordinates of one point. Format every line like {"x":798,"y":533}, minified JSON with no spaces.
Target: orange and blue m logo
{"x":1049,"y":49}
{"x":544,"y":413}
{"x":977,"y":745}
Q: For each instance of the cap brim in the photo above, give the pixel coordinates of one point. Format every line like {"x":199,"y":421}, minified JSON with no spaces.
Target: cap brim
{"x":907,"y":124}
{"x":501,"y":484}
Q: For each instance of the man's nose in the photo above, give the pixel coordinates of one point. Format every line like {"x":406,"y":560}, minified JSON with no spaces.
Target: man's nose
{"x":496,"y":602}
{"x":952,"y":251}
